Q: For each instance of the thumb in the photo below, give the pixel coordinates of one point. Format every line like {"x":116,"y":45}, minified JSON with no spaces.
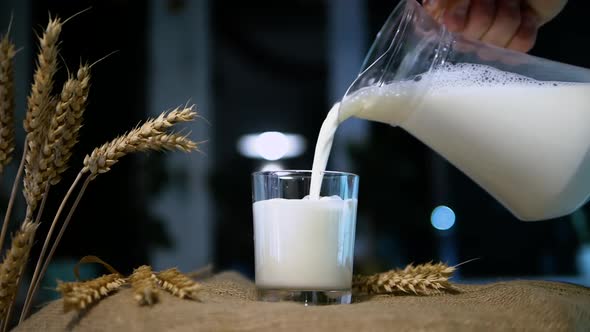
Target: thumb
{"x":544,"y":11}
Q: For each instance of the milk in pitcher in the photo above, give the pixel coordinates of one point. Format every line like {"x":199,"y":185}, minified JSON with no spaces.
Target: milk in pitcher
{"x":523,"y":140}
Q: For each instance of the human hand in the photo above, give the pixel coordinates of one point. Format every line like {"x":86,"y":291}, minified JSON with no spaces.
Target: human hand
{"x":506,"y":23}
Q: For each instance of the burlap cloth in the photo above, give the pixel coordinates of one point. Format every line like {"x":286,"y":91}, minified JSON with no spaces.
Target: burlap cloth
{"x":228,"y":304}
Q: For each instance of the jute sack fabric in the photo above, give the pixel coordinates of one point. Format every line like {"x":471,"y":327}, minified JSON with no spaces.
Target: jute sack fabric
{"x":228,"y":304}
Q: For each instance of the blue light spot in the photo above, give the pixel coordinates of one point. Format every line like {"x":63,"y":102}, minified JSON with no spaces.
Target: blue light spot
{"x":442,"y":218}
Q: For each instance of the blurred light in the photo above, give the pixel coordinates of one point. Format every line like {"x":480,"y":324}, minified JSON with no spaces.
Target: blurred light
{"x":271,"y":167}
{"x":442,"y":218}
{"x":271,"y":145}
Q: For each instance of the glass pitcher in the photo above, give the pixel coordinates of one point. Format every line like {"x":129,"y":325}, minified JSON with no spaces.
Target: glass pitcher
{"x":518,"y":125}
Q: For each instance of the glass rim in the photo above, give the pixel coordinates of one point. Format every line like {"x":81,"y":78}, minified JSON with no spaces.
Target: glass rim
{"x":300,"y":171}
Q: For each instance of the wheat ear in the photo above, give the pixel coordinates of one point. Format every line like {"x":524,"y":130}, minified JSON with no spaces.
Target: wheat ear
{"x":430,"y":269}
{"x":79,"y":295}
{"x":7,"y":52}
{"x":64,"y":125}
{"x":149,"y":136}
{"x":145,"y":285}
{"x":167,"y":119}
{"x":43,"y":78}
{"x":66,"y":122}
{"x":178,"y":284}
{"x":425,"y":279}
{"x":13,"y":264}
{"x":40,"y":108}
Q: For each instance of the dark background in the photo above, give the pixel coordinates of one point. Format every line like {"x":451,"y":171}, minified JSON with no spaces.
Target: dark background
{"x":268,"y":69}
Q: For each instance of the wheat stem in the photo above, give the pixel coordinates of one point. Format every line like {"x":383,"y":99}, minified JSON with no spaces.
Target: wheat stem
{"x":37,"y":219}
{"x":6,"y":319}
{"x":59,"y":236}
{"x":35,"y":280}
{"x":42,"y":205}
{"x":15,"y":184}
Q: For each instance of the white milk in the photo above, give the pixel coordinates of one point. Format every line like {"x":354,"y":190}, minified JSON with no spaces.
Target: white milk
{"x":322,"y":150}
{"x":526,"y":142}
{"x":304,"y":244}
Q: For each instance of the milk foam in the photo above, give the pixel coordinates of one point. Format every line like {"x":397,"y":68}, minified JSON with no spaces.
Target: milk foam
{"x":473,"y":75}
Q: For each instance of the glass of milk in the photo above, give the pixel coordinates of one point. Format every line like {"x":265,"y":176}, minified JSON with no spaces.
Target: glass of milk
{"x":304,"y":247}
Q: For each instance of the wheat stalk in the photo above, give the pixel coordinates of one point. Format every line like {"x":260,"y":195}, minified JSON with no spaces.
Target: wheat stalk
{"x":178,"y":284}
{"x":79,"y":295}
{"x":13,"y":264}
{"x":7,"y":52}
{"x":37,"y":121}
{"x":145,"y":285}
{"x":425,"y":279}
{"x":62,"y":135}
{"x":149,"y":136}
{"x":39,"y":107}
{"x":61,"y":139}
{"x":35,"y":282}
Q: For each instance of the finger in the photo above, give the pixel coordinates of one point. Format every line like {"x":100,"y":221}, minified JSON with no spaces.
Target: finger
{"x":505,"y":25}
{"x":546,"y":10}
{"x":526,"y":35}
{"x":455,"y":15}
{"x":480,"y":18}
{"x":431,"y":5}
{"x":434,"y":7}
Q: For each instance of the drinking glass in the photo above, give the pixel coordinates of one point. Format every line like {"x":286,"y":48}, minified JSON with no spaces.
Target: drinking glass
{"x":304,"y":247}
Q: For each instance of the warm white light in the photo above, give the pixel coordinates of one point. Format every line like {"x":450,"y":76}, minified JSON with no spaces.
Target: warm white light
{"x":271,"y":167}
{"x":442,"y":218}
{"x":271,"y":145}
